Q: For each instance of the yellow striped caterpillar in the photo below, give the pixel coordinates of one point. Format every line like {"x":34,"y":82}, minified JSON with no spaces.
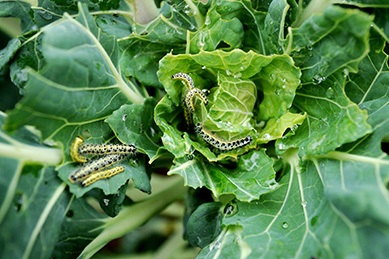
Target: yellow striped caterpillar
{"x":95,"y":166}
{"x":219,"y":143}
{"x":185,"y":78}
{"x":189,"y":98}
{"x":102,"y":175}
{"x":192,"y":93}
{"x":74,"y":150}
{"x":78,"y":148}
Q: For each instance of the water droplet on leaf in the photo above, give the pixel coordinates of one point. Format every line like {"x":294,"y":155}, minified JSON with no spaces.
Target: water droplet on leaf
{"x":285,"y":225}
{"x":318,"y":79}
{"x":330,"y":93}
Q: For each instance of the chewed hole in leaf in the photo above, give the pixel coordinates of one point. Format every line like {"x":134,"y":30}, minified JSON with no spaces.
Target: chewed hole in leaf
{"x":385,"y":147}
{"x":18,"y":201}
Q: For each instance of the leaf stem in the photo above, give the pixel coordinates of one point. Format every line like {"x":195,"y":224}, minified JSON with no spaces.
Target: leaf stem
{"x":196,"y":13}
{"x":28,"y":153}
{"x":351,"y":157}
{"x":313,"y":8}
{"x":134,"y":216}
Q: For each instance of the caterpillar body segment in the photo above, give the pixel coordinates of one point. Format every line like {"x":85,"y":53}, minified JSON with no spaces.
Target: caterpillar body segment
{"x":190,"y":98}
{"x":107,"y":149}
{"x":95,"y":166}
{"x":74,"y":150}
{"x":219,"y":143}
{"x":102,"y":175}
{"x":185,"y":78}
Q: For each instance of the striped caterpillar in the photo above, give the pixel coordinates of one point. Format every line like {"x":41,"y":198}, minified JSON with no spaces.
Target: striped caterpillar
{"x":219,"y":143}
{"x":185,"y":78}
{"x":102,"y":175}
{"x":78,"y":148}
{"x":192,"y":93}
{"x":74,"y":150}
{"x":189,"y":98}
{"x":95,"y":166}
{"x":95,"y":170}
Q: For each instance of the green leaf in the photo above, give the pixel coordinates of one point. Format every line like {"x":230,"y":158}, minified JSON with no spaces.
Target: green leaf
{"x":143,"y":49}
{"x":204,"y":224}
{"x":218,"y":29}
{"x":314,"y":213}
{"x":134,"y":124}
{"x":54,"y":99}
{"x":19,"y":9}
{"x":332,"y":120}
{"x":7,"y":53}
{"x":248,"y":179}
{"x":81,"y":225}
{"x":232,"y":100}
{"x":33,"y":200}
{"x":336,"y":39}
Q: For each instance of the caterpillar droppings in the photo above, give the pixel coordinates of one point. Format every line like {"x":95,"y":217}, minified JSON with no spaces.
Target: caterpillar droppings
{"x":219,"y":143}
{"x":102,"y":175}
{"x":95,"y":165}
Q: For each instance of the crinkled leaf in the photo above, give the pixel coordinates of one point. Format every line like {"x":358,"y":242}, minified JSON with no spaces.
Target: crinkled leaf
{"x":148,"y":44}
{"x":275,"y":128}
{"x":332,"y":119}
{"x":218,"y":28}
{"x":132,"y":124}
{"x":232,"y":101}
{"x":274,"y":26}
{"x":252,"y":176}
{"x":232,"y":98}
{"x":336,"y":39}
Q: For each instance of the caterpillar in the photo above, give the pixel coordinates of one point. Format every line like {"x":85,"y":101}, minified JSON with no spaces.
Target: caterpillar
{"x":219,"y":143}
{"x":102,"y":175}
{"x":74,"y":150}
{"x":189,"y":98}
{"x":185,"y":78}
{"x":107,"y":149}
{"x":96,"y":165}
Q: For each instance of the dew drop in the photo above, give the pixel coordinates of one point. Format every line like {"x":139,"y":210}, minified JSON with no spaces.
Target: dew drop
{"x":124,"y":117}
{"x":281,"y":146}
{"x":318,"y":79}
{"x":330,"y":93}
{"x":207,"y":20}
{"x":285,"y":225}
{"x":304,"y":204}
{"x":345,"y":72}
{"x":267,"y":136}
{"x":106,"y":202}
